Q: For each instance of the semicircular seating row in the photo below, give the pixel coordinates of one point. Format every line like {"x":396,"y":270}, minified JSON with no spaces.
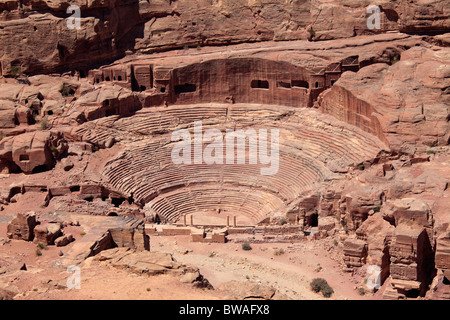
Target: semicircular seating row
{"x":308,"y":141}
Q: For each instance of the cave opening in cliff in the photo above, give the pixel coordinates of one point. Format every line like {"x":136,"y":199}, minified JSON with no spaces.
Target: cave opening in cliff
{"x":185,"y":88}
{"x":314,"y":219}
{"x":413,"y":293}
{"x":24,"y":158}
{"x":75,"y":189}
{"x":300,"y":84}
{"x":117,"y":201}
{"x":61,"y":51}
{"x":260,"y":84}
{"x":284,"y":84}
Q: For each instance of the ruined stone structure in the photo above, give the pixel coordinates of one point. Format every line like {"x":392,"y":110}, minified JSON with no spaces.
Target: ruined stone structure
{"x":362,"y":117}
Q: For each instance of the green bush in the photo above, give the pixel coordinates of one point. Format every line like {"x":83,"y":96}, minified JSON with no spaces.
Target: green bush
{"x":38,"y":252}
{"x":54,"y":150}
{"x":41,"y":246}
{"x":44,"y":123}
{"x":246,"y":246}
{"x":283,"y":221}
{"x":361,"y":291}
{"x":321,"y":285}
{"x":327,"y":291}
{"x":376,"y":209}
{"x":395,"y":59}
{"x":15,"y":70}
{"x":66,"y":91}
{"x":279,"y":252}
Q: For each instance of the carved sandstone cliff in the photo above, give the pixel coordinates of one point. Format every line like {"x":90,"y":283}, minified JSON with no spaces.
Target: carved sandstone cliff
{"x":396,"y":102}
{"x":111,"y":28}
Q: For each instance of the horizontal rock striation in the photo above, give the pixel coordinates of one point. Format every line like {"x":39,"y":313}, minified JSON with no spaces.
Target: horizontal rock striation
{"x":111,"y":28}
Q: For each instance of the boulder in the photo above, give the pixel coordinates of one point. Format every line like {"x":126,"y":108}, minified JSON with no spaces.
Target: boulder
{"x":240,"y":290}
{"x":64,"y":240}
{"x":67,"y":164}
{"x":33,"y":150}
{"x":22,"y":226}
{"x":47,"y":233}
{"x":409,"y":210}
{"x":355,"y":252}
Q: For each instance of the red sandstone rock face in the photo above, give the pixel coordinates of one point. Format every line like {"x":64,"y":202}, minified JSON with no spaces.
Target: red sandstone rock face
{"x":47,"y":233}
{"x":22,"y":226}
{"x":443,"y":251}
{"x":33,"y":150}
{"x":110,"y":28}
{"x":404,"y":104}
{"x":348,"y":176}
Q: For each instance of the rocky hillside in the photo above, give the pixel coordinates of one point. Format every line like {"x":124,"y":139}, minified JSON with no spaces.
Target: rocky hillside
{"x":35,"y":37}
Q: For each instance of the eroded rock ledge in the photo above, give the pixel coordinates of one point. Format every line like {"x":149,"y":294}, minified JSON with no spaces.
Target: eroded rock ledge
{"x":111,"y":28}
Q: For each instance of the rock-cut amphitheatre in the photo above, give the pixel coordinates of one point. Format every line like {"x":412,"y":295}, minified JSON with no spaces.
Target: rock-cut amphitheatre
{"x":88,"y":177}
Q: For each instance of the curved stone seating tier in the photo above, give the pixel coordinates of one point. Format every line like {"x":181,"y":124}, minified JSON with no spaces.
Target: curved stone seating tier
{"x":144,"y":176}
{"x":308,"y":142}
{"x":251,"y":203}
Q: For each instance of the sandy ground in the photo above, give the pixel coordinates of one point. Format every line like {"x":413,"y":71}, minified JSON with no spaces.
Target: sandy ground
{"x":290,"y":273}
{"x":45,"y":278}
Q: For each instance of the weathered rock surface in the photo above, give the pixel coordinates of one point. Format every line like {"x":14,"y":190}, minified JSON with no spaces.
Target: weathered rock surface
{"x":411,"y":260}
{"x":372,"y":167}
{"x":110,"y":28}
{"x":240,"y":290}
{"x":355,"y":252}
{"x":151,"y":264}
{"x":64,"y":240}
{"x":442,"y":258}
{"x":33,"y":150}
{"x":22,"y":226}
{"x":397,"y":102}
{"x":47,"y":233}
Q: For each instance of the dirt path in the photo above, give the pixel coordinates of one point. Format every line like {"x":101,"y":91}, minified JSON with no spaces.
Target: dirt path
{"x":290,"y":272}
